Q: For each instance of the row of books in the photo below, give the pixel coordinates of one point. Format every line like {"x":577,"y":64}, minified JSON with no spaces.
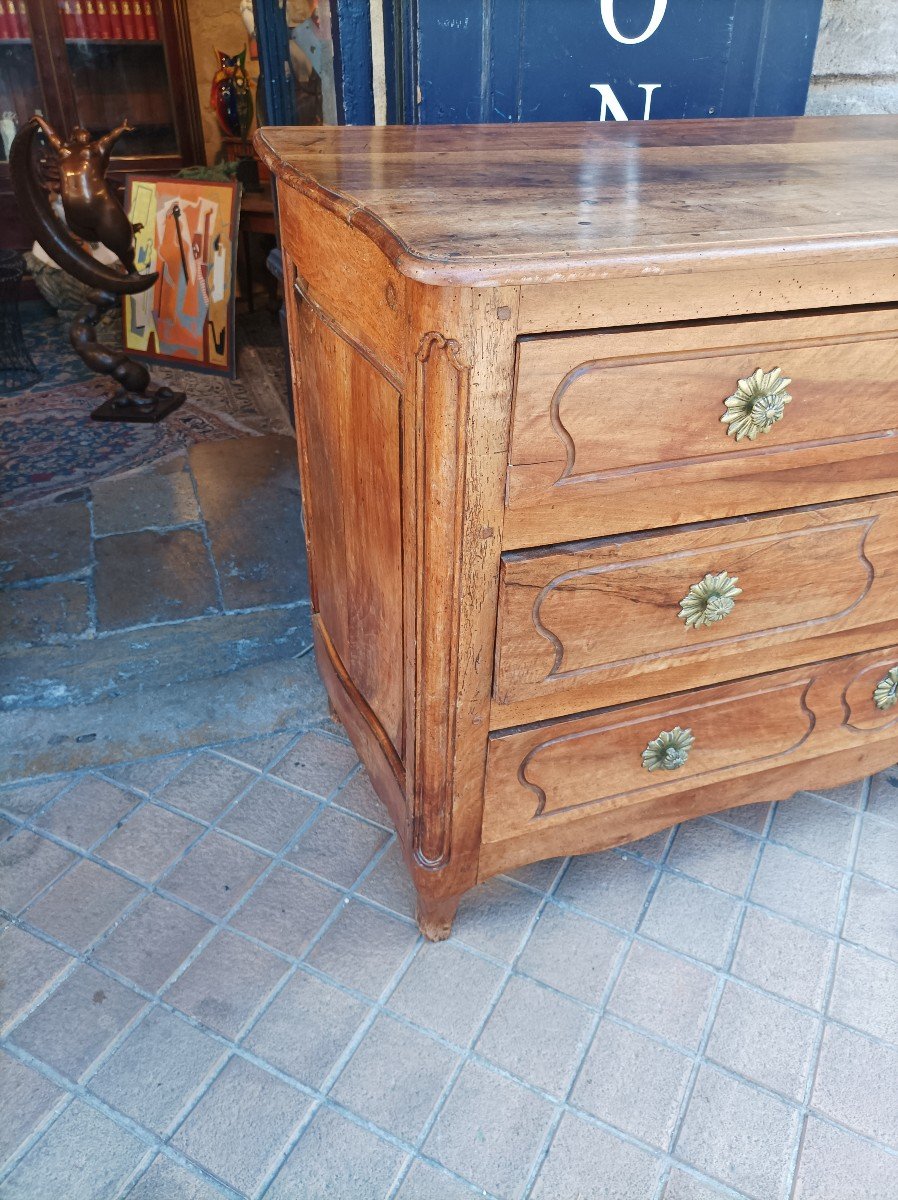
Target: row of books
{"x":118,"y":20}
{"x":13,"y":19}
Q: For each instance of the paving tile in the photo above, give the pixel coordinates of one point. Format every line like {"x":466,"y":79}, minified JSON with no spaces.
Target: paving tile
{"x":883,"y":798}
{"x":764,"y":1040}
{"x":334,"y":1157}
{"x":158,"y":1068}
{"x":316,"y":764}
{"x":489,"y":1130}
{"x":587,"y":1163}
{"x":539,"y":875}
{"x":664,"y":994}
{"x":83,"y":1156}
{"x":7,"y":829}
{"x":360,"y":797}
{"x":652,"y":847}
{"x":165,"y":1180}
{"x":537,"y":1035}
{"x":714,"y":854}
{"x":268,"y":815}
{"x":798,"y":887}
{"x":26,"y":1100}
{"x":855,"y":1084}
{"x":72,"y":1027}
{"x":158,"y":497}
{"x":395,"y":1078}
{"x":27,"y":864}
{"x":872,"y":917}
{"x":494,"y":918}
{"x":306,"y":1028}
{"x":836,"y":1165}
{"x":691,"y":919}
{"x":448,"y":990}
{"x":286,"y":910}
{"x":226,"y":983}
{"x":363,"y":949}
{"x":608,"y":886}
{"x":427,"y":1182}
{"x":86,"y":811}
{"x":143,"y":578}
{"x":681,"y":1186}
{"x":877,"y":852}
{"x":865,"y":993}
{"x":809,"y":823}
{"x":148,"y":842}
{"x":736,"y":1134}
{"x":783,"y":958}
{"x":83,"y":904}
{"x":242,"y":1125}
{"x":571,"y":953}
{"x":337,"y":847}
{"x":147,"y":775}
{"x":633,"y":1083}
{"x":51,"y":539}
{"x":47,"y":613}
{"x":206,"y":786}
{"x":752,"y":817}
{"x":152,"y":942}
{"x":258,"y":752}
{"x":390,"y":884}
{"x":25,"y":800}
{"x":215,"y":874}
{"x":849,"y":794}
{"x":29,"y":966}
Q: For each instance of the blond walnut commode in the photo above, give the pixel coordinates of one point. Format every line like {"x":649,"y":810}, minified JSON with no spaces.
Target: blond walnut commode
{"x":598,"y":431}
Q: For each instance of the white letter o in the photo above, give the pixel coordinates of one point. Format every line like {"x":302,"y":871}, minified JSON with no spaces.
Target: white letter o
{"x":607,"y":8}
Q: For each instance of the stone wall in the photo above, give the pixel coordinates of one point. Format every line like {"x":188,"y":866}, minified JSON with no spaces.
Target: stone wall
{"x":856,"y":64}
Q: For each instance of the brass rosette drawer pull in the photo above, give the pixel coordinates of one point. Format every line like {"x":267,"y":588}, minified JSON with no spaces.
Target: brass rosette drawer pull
{"x":885,"y":694}
{"x":757,"y":404}
{"x":710,"y":600}
{"x":669,"y":750}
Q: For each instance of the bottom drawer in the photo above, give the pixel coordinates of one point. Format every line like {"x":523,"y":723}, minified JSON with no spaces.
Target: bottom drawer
{"x":569,"y":786}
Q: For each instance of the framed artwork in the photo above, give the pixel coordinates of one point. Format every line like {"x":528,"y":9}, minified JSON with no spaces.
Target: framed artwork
{"x":188,"y":233}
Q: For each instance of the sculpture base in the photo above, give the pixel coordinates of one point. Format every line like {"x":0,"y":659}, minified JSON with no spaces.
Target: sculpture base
{"x":153,"y":406}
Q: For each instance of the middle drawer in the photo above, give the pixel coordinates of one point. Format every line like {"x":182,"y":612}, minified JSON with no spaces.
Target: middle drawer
{"x":595,"y":623}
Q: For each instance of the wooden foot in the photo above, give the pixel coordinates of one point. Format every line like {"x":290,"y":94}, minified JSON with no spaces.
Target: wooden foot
{"x":435,"y":917}
{"x":334,"y":715}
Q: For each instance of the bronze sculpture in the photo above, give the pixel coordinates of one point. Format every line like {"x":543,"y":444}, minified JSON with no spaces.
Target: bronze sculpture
{"x":94,"y":214}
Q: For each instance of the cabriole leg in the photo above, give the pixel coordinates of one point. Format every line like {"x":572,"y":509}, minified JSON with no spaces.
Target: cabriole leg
{"x":435,"y":916}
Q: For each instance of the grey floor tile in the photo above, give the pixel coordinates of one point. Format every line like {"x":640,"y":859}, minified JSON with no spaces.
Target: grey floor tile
{"x":363,"y":949}
{"x":306,"y":1028}
{"x":739,"y":1135}
{"x":536,"y":1034}
{"x":872,"y":917}
{"x":26,"y":1100}
{"x":227,"y":983}
{"x":539,"y":875}
{"x":837,"y":1165}
{"x":633,"y":1083}
{"x":160,"y":496}
{"x":587,"y":1163}
{"x":25,"y":800}
{"x":798,"y":887}
{"x":783,"y":958}
{"x":242,"y":1125}
{"x":714,"y":854}
{"x":883,"y":798}
{"x":865,"y":993}
{"x":72,"y":1027}
{"x":855,"y":1084}
{"x":83,"y":904}
{"x":317,"y":764}
{"x":165,"y":1180}
{"x":268,"y":815}
{"x":86,"y":811}
{"x":390,"y":884}
{"x":395,"y":1078}
{"x":448,"y":990}
{"x":610,"y":886}
{"x":44,"y":614}
{"x":157,"y":1070}
{"x":571,"y":953}
{"x":494,"y":918}
{"x":664,"y":994}
{"x":752,"y":817}
{"x":151,"y":942}
{"x":359,"y":797}
{"x":652,"y":847}
{"x":206,"y":786}
{"x":877,"y":852}
{"x":809,"y":823}
{"x":148,"y":842}
{"x":286,"y":911}
{"x":691,"y":919}
{"x":490,"y":1130}
{"x":147,"y":775}
{"x":848,"y":793}
{"x":764,"y":1040}
{"x":258,"y":752}
{"x":7,"y":829}
{"x":427,"y":1182}
{"x":83,"y":1156}
{"x":335,"y":1157}
{"x":337,"y":847}
{"x":50,"y":539}
{"x":28,"y":863}
{"x":682,"y":1186}
{"x":214,"y":874}
{"x":30,"y":966}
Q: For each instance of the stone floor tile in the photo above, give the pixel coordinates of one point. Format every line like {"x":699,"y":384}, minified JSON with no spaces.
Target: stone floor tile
{"x":83,"y":1156}
{"x":855,"y":1084}
{"x":865,"y":993}
{"x":536,"y":1034}
{"x":587,"y":1163}
{"x":306,"y":1028}
{"x":490,"y":1130}
{"x":206,"y":786}
{"x":44,"y":614}
{"x":609,"y":886}
{"x":317,"y":764}
{"x":24,"y":800}
{"x":664,"y":994}
{"x":227,"y":983}
{"x":539,"y":875}
{"x":363,"y":949}
{"x":146,"y":775}
{"x":681,"y":1186}
{"x":495,"y":917}
{"x":739,"y":1135}
{"x":335,"y":1157}
{"x":783,"y":958}
{"x":258,"y":752}
{"x":157,"y":1070}
{"x":148,"y":842}
{"x":395,"y":1078}
{"x":849,"y":793}
{"x":633,"y":1083}
{"x":448,"y":990}
{"x":752,"y":817}
{"x":427,"y":1182}
{"x":72,"y":1027}
{"x":883,"y":798}
{"x":214,"y":874}
{"x":86,"y":811}
{"x":798,"y":887}
{"x":50,"y":539}
{"x":764,"y":1040}
{"x":165,"y":1180}
{"x":691,"y":919}
{"x":837,"y":1165}
{"x":83,"y":904}
{"x":158,"y":497}
{"x":652,"y":847}
{"x":242,"y":1125}
{"x":28,"y":863}
{"x":714,"y":854}
{"x":359,"y":797}
{"x":337,"y":847}
{"x":810,"y":824}
{"x":152,"y":942}
{"x":268,"y":815}
{"x":390,"y":884}
{"x":29,"y":967}
{"x":26,"y":1100}
{"x":571,"y":953}
{"x":877,"y":852}
{"x":286,"y":911}
{"x":872,"y":917}
{"x":7,"y":829}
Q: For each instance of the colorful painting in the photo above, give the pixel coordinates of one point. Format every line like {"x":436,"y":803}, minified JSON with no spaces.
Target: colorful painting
{"x":187,"y":232}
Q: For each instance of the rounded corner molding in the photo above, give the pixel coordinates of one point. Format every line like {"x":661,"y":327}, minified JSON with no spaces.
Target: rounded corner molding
{"x":669,"y":750}
{"x":709,"y":600}
{"x":757,"y":404}
{"x":885,"y":694}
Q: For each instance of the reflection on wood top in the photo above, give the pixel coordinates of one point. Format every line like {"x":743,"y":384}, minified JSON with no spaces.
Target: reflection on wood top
{"x":541,"y":202}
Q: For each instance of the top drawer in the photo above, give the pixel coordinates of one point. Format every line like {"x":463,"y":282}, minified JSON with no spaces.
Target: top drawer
{"x":619,"y":431}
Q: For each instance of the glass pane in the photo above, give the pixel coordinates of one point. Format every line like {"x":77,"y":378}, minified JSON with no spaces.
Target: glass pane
{"x":20,"y":95}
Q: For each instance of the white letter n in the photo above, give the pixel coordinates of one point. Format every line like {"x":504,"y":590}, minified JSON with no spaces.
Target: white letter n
{"x":611,"y":104}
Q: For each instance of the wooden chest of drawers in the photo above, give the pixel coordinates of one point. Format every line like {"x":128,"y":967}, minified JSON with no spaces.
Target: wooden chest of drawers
{"x":598,"y":431}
